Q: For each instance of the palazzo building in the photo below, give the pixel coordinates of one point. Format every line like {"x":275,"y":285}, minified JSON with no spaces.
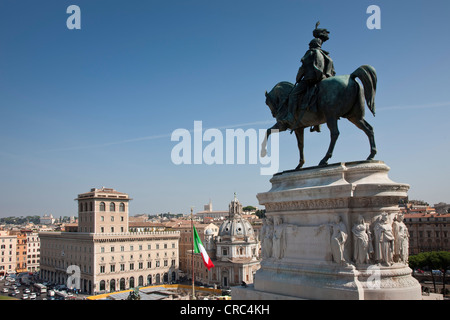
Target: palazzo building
{"x":102,"y":255}
{"x":8,"y":247}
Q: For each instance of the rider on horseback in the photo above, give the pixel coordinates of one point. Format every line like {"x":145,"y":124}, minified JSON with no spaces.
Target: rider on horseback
{"x":316,"y":66}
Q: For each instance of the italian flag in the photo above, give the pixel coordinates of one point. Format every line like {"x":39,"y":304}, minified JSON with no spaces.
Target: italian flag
{"x":199,"y":248}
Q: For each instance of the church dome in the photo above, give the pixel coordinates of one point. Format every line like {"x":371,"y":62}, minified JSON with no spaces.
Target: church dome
{"x":235,"y":225}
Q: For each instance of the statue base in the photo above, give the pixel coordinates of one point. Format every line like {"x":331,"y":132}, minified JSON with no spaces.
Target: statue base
{"x":332,"y":233}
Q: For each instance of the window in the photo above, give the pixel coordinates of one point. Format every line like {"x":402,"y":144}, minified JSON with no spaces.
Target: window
{"x":112,"y":207}
{"x":122,"y":207}
{"x":102,"y":206}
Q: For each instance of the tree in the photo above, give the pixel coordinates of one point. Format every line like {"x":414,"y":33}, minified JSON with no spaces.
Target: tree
{"x":261,"y":213}
{"x":249,"y":208}
{"x":433,"y":260}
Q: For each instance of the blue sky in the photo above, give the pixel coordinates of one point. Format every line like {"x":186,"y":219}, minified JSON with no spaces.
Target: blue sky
{"x":95,"y":107}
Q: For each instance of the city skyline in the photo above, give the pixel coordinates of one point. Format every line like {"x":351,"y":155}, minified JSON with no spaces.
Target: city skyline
{"x":97,"y":106}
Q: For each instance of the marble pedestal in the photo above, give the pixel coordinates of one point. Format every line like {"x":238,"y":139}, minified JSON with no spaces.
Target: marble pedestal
{"x":332,"y":233}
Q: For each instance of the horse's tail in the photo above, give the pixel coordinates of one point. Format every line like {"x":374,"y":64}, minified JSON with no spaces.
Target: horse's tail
{"x":368,"y":77}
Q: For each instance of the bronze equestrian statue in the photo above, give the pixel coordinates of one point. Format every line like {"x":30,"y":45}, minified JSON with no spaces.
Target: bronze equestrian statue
{"x":319,"y":96}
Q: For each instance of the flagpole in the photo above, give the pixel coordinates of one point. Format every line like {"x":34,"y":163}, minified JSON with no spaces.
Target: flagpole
{"x":192,"y":256}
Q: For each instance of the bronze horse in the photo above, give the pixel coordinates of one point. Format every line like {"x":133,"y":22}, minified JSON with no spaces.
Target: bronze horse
{"x":338,"y":97}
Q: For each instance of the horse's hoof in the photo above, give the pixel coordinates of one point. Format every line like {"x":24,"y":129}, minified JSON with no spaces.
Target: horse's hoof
{"x":323,"y":163}
{"x":300,"y":165}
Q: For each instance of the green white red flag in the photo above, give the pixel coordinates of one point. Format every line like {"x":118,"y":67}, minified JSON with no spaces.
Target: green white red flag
{"x":199,"y":248}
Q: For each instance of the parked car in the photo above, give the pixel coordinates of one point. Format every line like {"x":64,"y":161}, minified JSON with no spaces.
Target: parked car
{"x":437,"y":272}
{"x":26,"y":290}
{"x":33,"y":296}
{"x":12,"y":294}
{"x":24,"y":296}
{"x":17,"y":291}
{"x":5,"y":290}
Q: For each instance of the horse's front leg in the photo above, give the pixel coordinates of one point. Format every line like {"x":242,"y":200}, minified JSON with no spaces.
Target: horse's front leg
{"x":334,"y":134}
{"x":266,"y":137}
{"x":299,"y":133}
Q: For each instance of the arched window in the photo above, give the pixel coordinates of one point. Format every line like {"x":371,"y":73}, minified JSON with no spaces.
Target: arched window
{"x":112,"y":207}
{"x":131,"y":282}
{"x":122,"y":207}
{"x":80,"y":207}
{"x":141,"y":281}
{"x":102,"y":285}
{"x":85,"y":206}
{"x":102,"y":206}
{"x":91,"y":206}
{"x":112,"y":285}
{"x":149,"y":279}
{"x":122,"y":284}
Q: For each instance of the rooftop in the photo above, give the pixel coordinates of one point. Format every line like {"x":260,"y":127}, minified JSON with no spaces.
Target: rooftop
{"x":103,"y":193}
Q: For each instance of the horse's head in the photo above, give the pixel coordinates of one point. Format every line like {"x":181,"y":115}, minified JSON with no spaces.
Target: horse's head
{"x":270,"y":104}
{"x":277,"y":97}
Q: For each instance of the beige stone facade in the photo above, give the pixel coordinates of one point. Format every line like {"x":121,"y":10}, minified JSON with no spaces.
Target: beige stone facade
{"x":8,"y":248}
{"x":428,"y":231}
{"x":108,"y":261}
{"x":33,"y":251}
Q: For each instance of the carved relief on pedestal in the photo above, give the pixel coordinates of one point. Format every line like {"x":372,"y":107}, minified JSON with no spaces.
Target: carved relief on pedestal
{"x":306,"y":205}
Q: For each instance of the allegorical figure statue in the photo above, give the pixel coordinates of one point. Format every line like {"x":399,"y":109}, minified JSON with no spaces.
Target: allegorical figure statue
{"x":278,"y":238}
{"x":384,"y":241}
{"x":401,"y":243}
{"x":362,"y":241}
{"x":338,"y":239}
{"x":316,"y":66}
{"x":266,"y":238}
